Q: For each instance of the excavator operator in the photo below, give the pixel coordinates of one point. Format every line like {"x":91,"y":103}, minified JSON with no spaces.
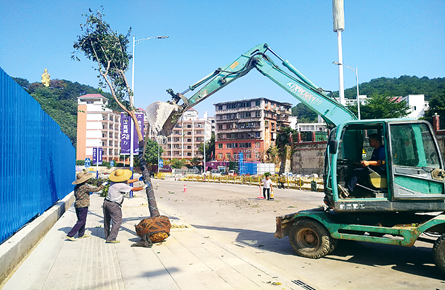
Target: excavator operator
{"x":376,"y":163}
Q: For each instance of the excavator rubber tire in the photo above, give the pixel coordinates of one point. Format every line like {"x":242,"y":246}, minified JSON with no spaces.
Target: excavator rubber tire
{"x":310,"y":239}
{"x":439,"y":253}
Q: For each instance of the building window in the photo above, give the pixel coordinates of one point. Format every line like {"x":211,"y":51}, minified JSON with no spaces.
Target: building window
{"x":228,"y":156}
{"x":220,"y":155}
{"x":257,"y":103}
{"x":220,"y":146}
{"x":245,"y":145}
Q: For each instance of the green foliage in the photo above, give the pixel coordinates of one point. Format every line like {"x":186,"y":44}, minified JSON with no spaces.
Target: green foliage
{"x":80,"y":162}
{"x":382,"y":106}
{"x":437,"y":106}
{"x":178,"y":163}
{"x":402,"y":86}
{"x":98,"y":182}
{"x":210,"y":147}
{"x":108,"y":49}
{"x":304,"y":114}
{"x":59,"y":101}
{"x":151,"y":152}
{"x":106,"y":164}
{"x":273,"y":154}
{"x":195,"y":161}
{"x":24,"y":83}
{"x":284,"y":136}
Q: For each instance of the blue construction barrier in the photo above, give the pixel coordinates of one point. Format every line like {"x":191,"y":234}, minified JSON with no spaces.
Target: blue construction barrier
{"x":37,"y":160}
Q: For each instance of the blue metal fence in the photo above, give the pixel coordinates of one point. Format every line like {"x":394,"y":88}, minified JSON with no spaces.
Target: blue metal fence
{"x":37,"y":160}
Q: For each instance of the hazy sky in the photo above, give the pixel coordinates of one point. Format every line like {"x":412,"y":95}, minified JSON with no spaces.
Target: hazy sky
{"x":382,"y":38}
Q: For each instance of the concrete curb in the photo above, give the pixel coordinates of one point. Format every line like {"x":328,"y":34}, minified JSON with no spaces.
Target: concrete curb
{"x":16,"y":249}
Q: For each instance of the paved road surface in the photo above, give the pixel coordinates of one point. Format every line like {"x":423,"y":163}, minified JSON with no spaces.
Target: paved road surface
{"x":228,"y":243}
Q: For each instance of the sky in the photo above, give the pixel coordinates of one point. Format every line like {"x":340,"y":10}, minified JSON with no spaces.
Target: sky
{"x":381,"y":39}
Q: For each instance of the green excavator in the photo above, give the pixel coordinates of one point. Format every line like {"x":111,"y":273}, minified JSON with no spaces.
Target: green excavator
{"x":399,"y":205}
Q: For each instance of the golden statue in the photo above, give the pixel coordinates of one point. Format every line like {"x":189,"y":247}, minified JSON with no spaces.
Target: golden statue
{"x":45,"y":78}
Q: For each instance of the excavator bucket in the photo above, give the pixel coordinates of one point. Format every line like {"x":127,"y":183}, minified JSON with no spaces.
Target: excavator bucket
{"x":163,"y":116}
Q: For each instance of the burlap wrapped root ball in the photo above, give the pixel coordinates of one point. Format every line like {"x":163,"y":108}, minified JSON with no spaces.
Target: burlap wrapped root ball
{"x":152,"y":230}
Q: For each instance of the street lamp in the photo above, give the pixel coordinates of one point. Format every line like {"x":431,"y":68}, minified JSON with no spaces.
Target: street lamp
{"x":136,"y":42}
{"x":355,"y":70}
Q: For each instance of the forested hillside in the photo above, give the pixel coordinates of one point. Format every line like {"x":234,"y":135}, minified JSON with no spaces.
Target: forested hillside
{"x":402,"y":86}
{"x":59,"y":101}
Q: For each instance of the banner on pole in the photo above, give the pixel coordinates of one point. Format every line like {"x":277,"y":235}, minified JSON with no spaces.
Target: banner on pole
{"x":140,"y":118}
{"x":97,"y":155}
{"x":125,"y":133}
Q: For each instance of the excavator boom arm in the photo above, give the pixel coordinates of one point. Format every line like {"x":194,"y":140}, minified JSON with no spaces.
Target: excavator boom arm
{"x":297,"y":85}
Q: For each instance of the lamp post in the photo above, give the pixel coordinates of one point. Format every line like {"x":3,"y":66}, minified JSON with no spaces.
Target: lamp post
{"x":136,"y":42}
{"x":355,"y":70}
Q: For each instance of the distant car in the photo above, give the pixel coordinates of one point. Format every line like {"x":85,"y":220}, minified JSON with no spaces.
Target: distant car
{"x":215,"y":172}
{"x":232,"y":173}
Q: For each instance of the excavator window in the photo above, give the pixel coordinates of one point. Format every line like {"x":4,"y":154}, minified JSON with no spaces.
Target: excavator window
{"x":413,"y":146}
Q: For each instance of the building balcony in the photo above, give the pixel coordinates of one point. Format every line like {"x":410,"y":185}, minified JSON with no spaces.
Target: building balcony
{"x":254,"y":108}
{"x":258,"y":128}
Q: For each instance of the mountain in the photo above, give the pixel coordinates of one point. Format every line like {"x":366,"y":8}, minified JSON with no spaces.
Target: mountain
{"x":402,"y":86}
{"x":59,"y":101}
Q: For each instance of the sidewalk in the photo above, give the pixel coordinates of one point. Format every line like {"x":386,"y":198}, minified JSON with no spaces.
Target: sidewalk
{"x":186,"y":260}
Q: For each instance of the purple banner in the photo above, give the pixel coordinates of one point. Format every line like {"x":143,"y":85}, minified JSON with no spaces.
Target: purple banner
{"x":125,"y":133}
{"x":101,"y":152}
{"x":140,"y":118}
{"x":95,"y":155}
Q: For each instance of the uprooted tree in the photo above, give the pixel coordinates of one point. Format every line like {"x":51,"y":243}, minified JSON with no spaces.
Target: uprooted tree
{"x":108,"y":50}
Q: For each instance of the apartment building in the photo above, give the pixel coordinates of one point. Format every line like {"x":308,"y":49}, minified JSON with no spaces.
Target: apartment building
{"x":249,"y":127}
{"x":187,"y":135}
{"x":97,"y":126}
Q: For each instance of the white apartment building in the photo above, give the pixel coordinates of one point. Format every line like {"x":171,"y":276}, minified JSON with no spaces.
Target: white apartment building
{"x":187,"y":135}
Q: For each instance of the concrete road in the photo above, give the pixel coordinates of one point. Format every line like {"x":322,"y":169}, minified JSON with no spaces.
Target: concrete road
{"x":234,"y":215}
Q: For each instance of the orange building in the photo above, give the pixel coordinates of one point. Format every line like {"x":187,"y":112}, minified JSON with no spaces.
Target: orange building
{"x":97,"y":127}
{"x":249,"y":127}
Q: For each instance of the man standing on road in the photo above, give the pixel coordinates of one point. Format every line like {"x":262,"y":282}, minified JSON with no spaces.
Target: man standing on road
{"x":267,"y":185}
{"x":112,"y":204}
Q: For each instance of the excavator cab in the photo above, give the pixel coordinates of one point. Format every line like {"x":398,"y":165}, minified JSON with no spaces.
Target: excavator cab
{"x":411,"y":179}
{"x":353,"y":148}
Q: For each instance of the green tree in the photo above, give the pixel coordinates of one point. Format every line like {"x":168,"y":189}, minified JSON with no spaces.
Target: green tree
{"x":108,"y":49}
{"x":304,"y":113}
{"x":382,"y":107}
{"x":178,"y":163}
{"x":437,"y":106}
{"x":284,"y":136}
{"x":151,"y":152}
{"x":210,"y":148}
{"x":195,"y":161}
{"x":273,"y":154}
